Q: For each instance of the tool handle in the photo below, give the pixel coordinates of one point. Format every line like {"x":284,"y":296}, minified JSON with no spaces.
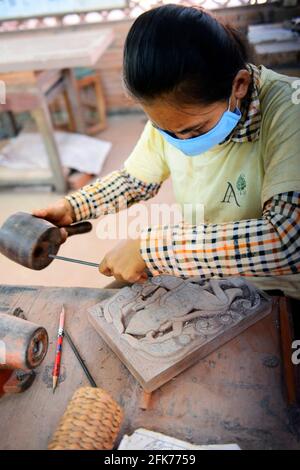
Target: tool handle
{"x":77,"y":229}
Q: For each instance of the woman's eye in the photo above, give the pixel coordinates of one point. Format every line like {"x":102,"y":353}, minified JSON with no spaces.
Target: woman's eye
{"x":172,"y":135}
{"x":197,"y":132}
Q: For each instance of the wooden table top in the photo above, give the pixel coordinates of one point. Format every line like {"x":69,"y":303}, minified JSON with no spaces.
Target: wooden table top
{"x":233,"y":395}
{"x":53,"y":49}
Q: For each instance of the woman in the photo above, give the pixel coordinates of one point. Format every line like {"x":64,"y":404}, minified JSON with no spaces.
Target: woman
{"x":227,"y":132}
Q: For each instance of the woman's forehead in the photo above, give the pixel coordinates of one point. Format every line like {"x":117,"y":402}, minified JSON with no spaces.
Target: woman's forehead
{"x":170,"y":117}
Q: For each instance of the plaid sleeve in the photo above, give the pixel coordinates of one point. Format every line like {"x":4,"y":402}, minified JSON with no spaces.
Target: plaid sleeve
{"x":257,"y":247}
{"x":110,"y":194}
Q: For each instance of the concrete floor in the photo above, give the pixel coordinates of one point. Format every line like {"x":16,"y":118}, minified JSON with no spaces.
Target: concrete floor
{"x":123,"y":131}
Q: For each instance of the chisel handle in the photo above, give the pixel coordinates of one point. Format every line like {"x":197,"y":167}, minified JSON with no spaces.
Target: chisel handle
{"x":77,"y":229}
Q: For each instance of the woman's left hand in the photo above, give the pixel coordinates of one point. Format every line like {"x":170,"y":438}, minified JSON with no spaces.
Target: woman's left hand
{"x":125,"y":262}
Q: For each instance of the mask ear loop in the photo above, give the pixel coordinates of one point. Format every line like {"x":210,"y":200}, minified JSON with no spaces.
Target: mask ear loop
{"x":237,"y":105}
{"x":228,"y":109}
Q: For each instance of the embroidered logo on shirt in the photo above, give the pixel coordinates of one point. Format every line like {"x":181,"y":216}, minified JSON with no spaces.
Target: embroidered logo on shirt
{"x":229,"y":194}
{"x":241,"y":184}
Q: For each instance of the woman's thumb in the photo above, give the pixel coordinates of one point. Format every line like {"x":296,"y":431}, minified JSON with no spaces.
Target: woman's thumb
{"x":64,"y":234}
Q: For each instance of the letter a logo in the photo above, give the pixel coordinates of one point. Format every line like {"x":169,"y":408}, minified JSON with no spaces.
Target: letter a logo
{"x":229,"y":193}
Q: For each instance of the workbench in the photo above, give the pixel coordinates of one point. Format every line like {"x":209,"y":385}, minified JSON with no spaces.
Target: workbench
{"x":236,"y":394}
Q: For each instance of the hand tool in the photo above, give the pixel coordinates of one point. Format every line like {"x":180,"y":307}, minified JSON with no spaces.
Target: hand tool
{"x":23,"y":347}
{"x":25,"y":344}
{"x":86,"y":263}
{"x":58,"y":353}
{"x":81,"y":361}
{"x":29,"y":240}
{"x":73,"y":260}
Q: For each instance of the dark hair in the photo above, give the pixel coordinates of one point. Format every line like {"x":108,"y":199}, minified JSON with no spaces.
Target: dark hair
{"x":183,"y":51}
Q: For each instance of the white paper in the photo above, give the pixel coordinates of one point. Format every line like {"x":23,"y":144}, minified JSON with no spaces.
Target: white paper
{"x":142,"y":439}
{"x":83,"y":153}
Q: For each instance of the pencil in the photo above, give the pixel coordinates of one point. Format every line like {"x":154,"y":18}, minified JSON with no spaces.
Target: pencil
{"x":60,"y":336}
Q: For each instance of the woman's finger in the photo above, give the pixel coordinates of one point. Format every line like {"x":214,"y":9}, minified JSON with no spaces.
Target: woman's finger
{"x":104,"y":269}
{"x":143,"y":278}
{"x":42,"y":213}
{"x":118,"y":277}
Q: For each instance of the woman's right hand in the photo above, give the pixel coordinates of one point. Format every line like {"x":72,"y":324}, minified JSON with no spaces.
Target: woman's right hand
{"x":60,"y":213}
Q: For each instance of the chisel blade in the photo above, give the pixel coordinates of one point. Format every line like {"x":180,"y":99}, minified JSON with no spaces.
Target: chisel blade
{"x":73,"y":260}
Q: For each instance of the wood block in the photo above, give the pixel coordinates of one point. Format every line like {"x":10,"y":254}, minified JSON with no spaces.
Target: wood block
{"x":160,"y":328}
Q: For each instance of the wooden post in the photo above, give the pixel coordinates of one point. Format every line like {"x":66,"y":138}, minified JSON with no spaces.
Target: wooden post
{"x":43,"y":120}
{"x":74,"y":100}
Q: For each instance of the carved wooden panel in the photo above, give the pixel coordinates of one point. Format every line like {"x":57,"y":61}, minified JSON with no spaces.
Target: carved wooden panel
{"x":163,"y":326}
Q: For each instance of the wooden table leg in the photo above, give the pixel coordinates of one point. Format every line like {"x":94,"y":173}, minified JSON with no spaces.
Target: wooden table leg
{"x":286,"y":337}
{"x":73,"y":98}
{"x":145,"y":400}
{"x":43,"y":120}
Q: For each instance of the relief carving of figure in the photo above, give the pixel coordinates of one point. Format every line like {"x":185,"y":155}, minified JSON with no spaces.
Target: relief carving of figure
{"x":168,"y":316}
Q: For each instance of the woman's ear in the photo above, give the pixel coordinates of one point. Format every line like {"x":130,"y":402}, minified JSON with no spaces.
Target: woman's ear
{"x":241,"y":84}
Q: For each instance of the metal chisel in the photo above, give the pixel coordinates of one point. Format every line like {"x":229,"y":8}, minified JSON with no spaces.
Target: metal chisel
{"x":87,"y":263}
{"x":73,"y":260}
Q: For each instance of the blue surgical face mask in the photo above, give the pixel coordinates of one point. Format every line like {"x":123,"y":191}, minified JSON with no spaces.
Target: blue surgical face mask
{"x":196,"y":145}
